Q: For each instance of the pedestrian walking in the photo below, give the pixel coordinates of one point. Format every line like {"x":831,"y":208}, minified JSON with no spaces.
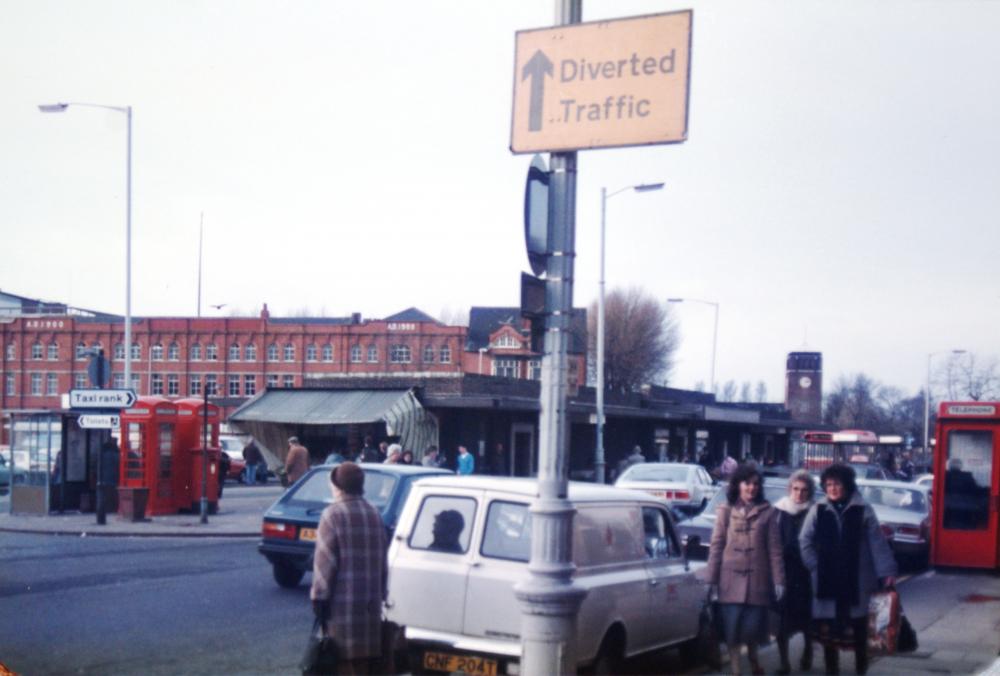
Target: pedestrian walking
{"x":350,"y":572}
{"x":254,"y":458}
{"x":225,"y":462}
{"x":847,"y":555}
{"x":634,"y":458}
{"x":296,"y":461}
{"x":431,"y":457}
{"x":795,"y":610}
{"x":745,"y":567}
{"x":394,"y":455}
{"x":466,"y":463}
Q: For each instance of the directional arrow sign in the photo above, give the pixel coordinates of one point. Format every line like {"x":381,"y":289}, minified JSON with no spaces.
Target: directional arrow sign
{"x":95,"y":421}
{"x":101,"y":398}
{"x":602,"y":84}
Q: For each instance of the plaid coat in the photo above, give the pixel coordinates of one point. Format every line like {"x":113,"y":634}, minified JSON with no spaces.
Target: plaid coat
{"x":350,"y":569}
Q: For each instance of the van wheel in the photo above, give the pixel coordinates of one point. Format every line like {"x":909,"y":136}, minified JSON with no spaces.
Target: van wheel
{"x":610,"y":656}
{"x":287,"y":576}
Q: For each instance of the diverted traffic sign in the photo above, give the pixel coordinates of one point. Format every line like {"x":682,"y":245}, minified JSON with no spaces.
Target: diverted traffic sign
{"x":101,"y":398}
{"x":99,"y":421}
{"x":602,"y":84}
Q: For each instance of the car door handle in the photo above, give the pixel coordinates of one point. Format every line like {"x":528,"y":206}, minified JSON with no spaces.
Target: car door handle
{"x":653,"y":583}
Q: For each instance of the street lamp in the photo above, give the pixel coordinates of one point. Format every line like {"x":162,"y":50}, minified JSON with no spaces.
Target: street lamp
{"x":927,"y":396}
{"x":715,"y":328}
{"x":127,"y":110}
{"x":599,"y":451}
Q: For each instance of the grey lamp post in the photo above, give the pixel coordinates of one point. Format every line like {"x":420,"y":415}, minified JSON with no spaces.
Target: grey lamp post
{"x":927,"y":396}
{"x":127,"y":110}
{"x":715,"y":328}
{"x":599,"y":464}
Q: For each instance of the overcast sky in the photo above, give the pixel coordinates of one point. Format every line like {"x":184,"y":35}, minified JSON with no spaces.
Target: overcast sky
{"x":838,"y":190}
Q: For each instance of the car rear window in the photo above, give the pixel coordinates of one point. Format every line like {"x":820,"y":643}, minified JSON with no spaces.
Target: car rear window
{"x":316,"y":488}
{"x":444,"y":524}
{"x":508,"y":531}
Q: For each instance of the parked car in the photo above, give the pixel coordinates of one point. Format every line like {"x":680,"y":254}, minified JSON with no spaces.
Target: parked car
{"x":696,"y":532}
{"x":233,"y":447}
{"x":8,"y":475}
{"x":925,"y":480}
{"x":685,"y":486}
{"x":463,"y":543}
{"x":288,"y":531}
{"x":870,"y":471}
{"x":903,"y":509}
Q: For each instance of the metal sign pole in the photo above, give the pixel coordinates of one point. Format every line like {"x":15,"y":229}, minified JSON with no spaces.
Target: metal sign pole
{"x":549,"y":599}
{"x":204,"y":459}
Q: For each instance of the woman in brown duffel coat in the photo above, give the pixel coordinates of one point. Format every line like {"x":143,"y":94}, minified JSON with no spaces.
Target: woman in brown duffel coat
{"x":745,"y":565}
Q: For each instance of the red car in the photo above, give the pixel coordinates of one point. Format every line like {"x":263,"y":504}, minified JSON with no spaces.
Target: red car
{"x":232,"y":447}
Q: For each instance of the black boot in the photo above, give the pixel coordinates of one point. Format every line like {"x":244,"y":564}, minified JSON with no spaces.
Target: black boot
{"x":831,"y":659}
{"x":861,"y":646}
{"x":785,"y":667}
{"x":807,"y":654}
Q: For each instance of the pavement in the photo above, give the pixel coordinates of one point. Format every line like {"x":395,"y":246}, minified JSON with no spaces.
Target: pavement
{"x":239,"y":515}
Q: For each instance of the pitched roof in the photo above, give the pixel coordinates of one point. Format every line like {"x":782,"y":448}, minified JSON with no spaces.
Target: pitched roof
{"x":411,"y":314}
{"x":484,"y":321}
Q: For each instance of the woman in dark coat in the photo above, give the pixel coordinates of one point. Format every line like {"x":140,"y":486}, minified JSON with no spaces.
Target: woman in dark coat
{"x":796,"y":608}
{"x":848,"y":556}
{"x":744,"y":565}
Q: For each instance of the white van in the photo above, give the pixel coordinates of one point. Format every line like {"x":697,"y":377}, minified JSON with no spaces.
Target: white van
{"x":462,"y":543}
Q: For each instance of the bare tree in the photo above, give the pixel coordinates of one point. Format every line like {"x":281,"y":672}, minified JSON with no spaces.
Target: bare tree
{"x":745,"y":392}
{"x":452,"y":316}
{"x":760,"y":394}
{"x":967,"y":376}
{"x":728,"y":392}
{"x":640,"y":339}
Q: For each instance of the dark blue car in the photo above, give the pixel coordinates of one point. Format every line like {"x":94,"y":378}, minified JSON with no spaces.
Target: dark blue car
{"x":288,"y":534}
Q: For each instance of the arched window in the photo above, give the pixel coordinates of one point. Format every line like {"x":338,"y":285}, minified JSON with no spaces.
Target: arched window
{"x":212,"y":352}
{"x":81,"y":350}
{"x":355,"y":354}
{"x":372,"y":354}
{"x":119,"y":352}
{"x":136,"y":351}
{"x":250,"y":352}
{"x":272,"y":352}
{"x":311,"y":352}
{"x":234,"y":352}
{"x":174,"y":352}
{"x":196,"y":352}
{"x":289,"y":352}
{"x":328,"y":352}
{"x":445,"y":354}
{"x":156,"y":352}
{"x":429,"y":354}
{"x":36,"y":350}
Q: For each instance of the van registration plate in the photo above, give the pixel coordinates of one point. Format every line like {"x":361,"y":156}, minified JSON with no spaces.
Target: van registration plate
{"x":307,"y":534}
{"x":465,"y":664}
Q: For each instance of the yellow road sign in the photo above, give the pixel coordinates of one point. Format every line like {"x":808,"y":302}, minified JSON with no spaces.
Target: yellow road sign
{"x":602,"y":84}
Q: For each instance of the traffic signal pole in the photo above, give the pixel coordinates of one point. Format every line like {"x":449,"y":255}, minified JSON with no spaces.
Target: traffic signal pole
{"x":549,"y":599}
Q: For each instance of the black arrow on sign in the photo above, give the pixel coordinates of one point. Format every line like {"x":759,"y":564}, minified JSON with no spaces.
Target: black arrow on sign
{"x":537,"y":68}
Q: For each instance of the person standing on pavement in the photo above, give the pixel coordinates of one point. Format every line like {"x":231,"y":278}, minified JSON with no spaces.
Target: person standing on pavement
{"x":253,"y":458}
{"x":383,"y":451}
{"x":847,"y":555}
{"x":394,"y":455}
{"x":431,"y":457}
{"x":745,"y":568}
{"x":350,"y":572}
{"x":466,"y":463}
{"x":795,"y":611}
{"x":296,"y":461}
{"x":498,"y":461}
{"x":224,"y":464}
{"x":369,"y":453}
{"x":407,"y":458}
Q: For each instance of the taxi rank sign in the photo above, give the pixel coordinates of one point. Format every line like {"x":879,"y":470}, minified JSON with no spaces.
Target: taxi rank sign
{"x":602,"y":84}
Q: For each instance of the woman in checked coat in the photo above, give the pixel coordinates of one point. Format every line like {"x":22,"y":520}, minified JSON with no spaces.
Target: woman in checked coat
{"x":350,"y":571}
{"x":745,"y":565}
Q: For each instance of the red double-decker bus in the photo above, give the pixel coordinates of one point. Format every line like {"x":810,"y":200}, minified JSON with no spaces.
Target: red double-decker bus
{"x":822,"y":449}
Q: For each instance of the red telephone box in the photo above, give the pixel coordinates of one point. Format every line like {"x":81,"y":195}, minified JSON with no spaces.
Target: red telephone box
{"x":193,"y":417}
{"x":149,"y":452}
{"x":966,"y":493}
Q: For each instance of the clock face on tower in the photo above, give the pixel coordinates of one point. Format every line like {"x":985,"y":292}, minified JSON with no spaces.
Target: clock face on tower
{"x":805,"y":382}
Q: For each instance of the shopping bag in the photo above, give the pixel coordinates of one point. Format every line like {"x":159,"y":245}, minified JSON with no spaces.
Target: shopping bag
{"x":883,"y":622}
{"x":907,"y":641}
{"x":320,"y":657}
{"x":706,"y":644}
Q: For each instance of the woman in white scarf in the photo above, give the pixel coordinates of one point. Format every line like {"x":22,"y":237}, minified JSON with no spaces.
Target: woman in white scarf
{"x":795,"y":607}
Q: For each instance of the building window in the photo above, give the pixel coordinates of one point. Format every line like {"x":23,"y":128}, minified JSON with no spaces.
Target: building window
{"x":288,"y":381}
{"x":311,"y":352}
{"x":156,"y":383}
{"x":135,"y":382}
{"x":196,"y":352}
{"x":36,"y":383}
{"x":118,"y":381}
{"x":156,"y":352}
{"x":272,"y":352}
{"x":507,"y":340}
{"x":535,"y":369}
{"x":79,"y":381}
{"x":355,"y":354}
{"x":81,"y":350}
{"x":234,"y":386}
{"x":194,"y":385}
{"x":174,"y":352}
{"x":250,"y":352}
{"x":53,"y":353}
{"x":399,"y":354}
{"x":51,"y":384}
{"x":211,"y":385}
{"x":36,"y":351}
{"x":429,"y":354}
{"x":249,"y":385}
{"x":372,"y":354}
{"x":212,"y":352}
{"x":272,"y":381}
{"x":234,"y":352}
{"x":10,"y":350}
{"x":289,"y":352}
{"x":328,"y":353}
{"x":136,"y":352}
{"x":445,"y":354}
{"x":11,"y":383}
{"x":173,"y":385}
{"x":505,"y":368}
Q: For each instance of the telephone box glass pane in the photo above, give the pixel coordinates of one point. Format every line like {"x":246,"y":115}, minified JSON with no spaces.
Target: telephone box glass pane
{"x":967,"y":479}
{"x":166,"y":449}
{"x":133,"y":466}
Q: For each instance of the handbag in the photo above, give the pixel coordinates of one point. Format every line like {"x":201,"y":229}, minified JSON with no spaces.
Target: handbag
{"x":907,"y":641}
{"x":883,"y":622}
{"x":321,"y":652}
{"x":709,"y":634}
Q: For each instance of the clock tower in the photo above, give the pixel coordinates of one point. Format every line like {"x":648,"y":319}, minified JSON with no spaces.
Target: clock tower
{"x":804,"y":386}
